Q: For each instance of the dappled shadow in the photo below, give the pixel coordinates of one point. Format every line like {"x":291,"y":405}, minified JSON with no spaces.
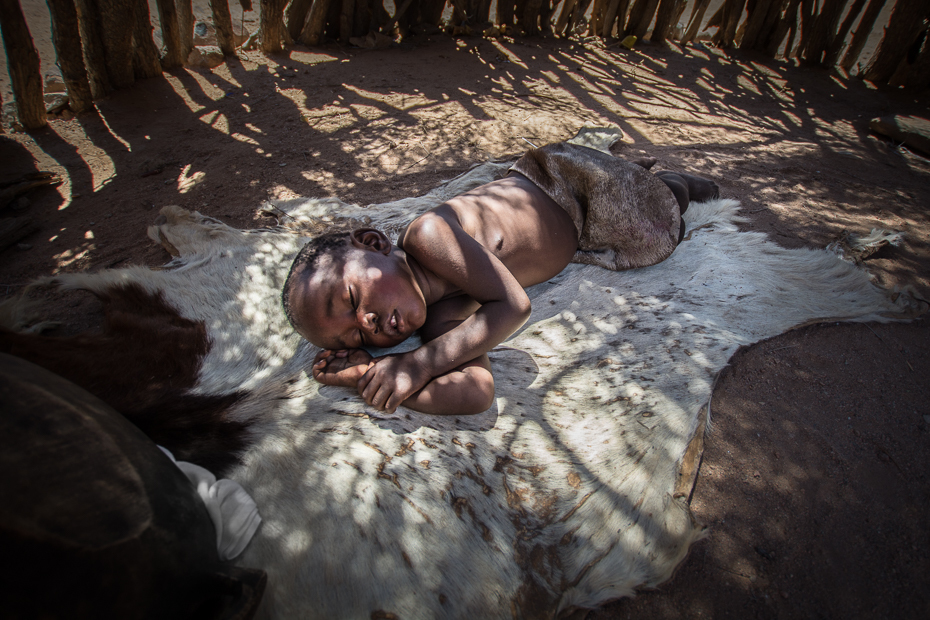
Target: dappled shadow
{"x":369,"y":127}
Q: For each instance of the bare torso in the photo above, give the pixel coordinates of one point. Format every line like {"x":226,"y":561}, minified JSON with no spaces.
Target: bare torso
{"x":518,"y":223}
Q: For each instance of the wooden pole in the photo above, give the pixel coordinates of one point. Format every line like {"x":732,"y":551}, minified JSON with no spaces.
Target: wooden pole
{"x":94,"y":50}
{"x":23,"y":63}
{"x":640,"y":17}
{"x":787,"y":22}
{"x":346,"y":21}
{"x":185,"y":11}
{"x":117,"y":18}
{"x":222,"y":21}
{"x":296,"y":16}
{"x":823,"y":30}
{"x":760,"y":22}
{"x":668,"y":10}
{"x":312,"y":33}
{"x":271,"y":25}
{"x":616,"y":14}
{"x":839,"y":40}
{"x":67,"y":40}
{"x":694,"y":22}
{"x":170,"y":34}
{"x":919,"y":76}
{"x":907,"y":21}
{"x":561,"y":22}
{"x":145,"y":61}
{"x":731,"y":11}
{"x":861,"y":35}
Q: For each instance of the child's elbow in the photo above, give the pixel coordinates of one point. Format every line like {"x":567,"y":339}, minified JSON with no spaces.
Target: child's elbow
{"x":480,"y":395}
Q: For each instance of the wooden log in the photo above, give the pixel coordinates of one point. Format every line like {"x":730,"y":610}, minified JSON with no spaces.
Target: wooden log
{"x":12,"y":229}
{"x":170,"y":34}
{"x":732,"y":11}
{"x":222,"y":21}
{"x":296,"y":17}
{"x":669,"y":10}
{"x":839,"y":40}
{"x":615,"y":15}
{"x":823,"y":30}
{"x":861,"y":35}
{"x":346,"y":21}
{"x":185,"y":11}
{"x":312,"y":32}
{"x":787,"y":22}
{"x":94,"y":51}
{"x":23,"y":63}
{"x":640,"y":17}
{"x":694,"y":22}
{"x":431,"y":12}
{"x":67,"y":39}
{"x":561,"y":22}
{"x":808,"y":14}
{"x":271,"y":26}
{"x":760,"y":22}
{"x":907,"y":21}
{"x":919,"y":76}
{"x":117,"y":18}
{"x":530,"y":20}
{"x":145,"y":61}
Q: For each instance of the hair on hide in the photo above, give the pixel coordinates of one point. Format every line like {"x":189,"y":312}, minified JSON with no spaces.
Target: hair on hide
{"x":564,"y":494}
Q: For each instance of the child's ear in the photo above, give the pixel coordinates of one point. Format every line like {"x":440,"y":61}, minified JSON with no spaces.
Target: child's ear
{"x":371,"y":239}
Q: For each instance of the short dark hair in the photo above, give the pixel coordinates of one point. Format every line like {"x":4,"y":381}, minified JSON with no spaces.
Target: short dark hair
{"x":306,"y":262}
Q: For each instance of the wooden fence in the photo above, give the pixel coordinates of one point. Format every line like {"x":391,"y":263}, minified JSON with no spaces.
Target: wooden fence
{"x":97,"y":52}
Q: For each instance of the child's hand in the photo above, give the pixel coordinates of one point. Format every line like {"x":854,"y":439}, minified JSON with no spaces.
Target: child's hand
{"x":392,"y":380}
{"x":343,"y":368}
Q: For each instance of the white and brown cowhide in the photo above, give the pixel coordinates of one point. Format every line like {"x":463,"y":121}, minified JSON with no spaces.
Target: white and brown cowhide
{"x":562,"y":496}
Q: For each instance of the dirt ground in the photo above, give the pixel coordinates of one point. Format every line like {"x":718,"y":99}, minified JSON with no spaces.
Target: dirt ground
{"x":814,"y":483}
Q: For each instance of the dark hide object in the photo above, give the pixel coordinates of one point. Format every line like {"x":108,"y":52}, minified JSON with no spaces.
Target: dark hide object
{"x":143,"y":364}
{"x":96,"y":521}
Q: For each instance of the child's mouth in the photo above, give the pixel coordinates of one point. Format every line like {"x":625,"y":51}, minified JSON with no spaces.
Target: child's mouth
{"x":393,"y":322}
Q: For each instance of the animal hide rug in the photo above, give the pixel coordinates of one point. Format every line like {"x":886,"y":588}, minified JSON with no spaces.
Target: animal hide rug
{"x":563,"y":494}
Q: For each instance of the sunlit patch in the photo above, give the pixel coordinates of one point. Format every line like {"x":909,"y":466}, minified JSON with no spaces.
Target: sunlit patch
{"x":747,"y":84}
{"x":209,"y":89}
{"x":281,"y":192}
{"x":187,"y":181}
{"x":308,"y":58}
{"x":209,"y":117}
{"x":182,"y":93}
{"x":221,"y":124}
{"x":838,"y":82}
{"x":115,"y":135}
{"x":243,"y":138}
{"x":89,"y":234}
{"x":68,"y":258}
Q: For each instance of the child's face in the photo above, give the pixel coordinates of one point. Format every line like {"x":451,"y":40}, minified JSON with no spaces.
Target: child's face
{"x":363,"y":298}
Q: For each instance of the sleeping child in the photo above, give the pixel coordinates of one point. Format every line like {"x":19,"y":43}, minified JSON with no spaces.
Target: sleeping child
{"x":457,"y":273}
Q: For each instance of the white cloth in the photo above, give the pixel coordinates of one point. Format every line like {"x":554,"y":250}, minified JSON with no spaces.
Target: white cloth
{"x":233,"y":511}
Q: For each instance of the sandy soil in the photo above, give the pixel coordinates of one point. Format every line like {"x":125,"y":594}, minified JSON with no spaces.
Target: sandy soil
{"x":814,"y":481}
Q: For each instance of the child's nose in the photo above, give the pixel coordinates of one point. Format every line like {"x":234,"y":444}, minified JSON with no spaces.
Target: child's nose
{"x":369,"y":322}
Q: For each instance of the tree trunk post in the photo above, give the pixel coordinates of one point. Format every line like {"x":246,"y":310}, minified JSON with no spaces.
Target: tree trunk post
{"x":640,"y":17}
{"x":145,"y":61}
{"x":222,"y":21}
{"x":823,"y":30}
{"x":23,"y":63}
{"x":117,"y":18}
{"x":694,"y":22}
{"x":94,"y":51}
{"x":296,"y":17}
{"x":839,"y":40}
{"x":907,"y":20}
{"x":861,"y":35}
{"x":668,"y":10}
{"x":185,"y":11}
{"x":67,"y":38}
{"x":271,"y":26}
{"x":170,"y":34}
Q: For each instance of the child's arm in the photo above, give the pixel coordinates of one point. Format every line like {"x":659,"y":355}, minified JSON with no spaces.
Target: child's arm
{"x":465,"y":390}
{"x":440,"y":245}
